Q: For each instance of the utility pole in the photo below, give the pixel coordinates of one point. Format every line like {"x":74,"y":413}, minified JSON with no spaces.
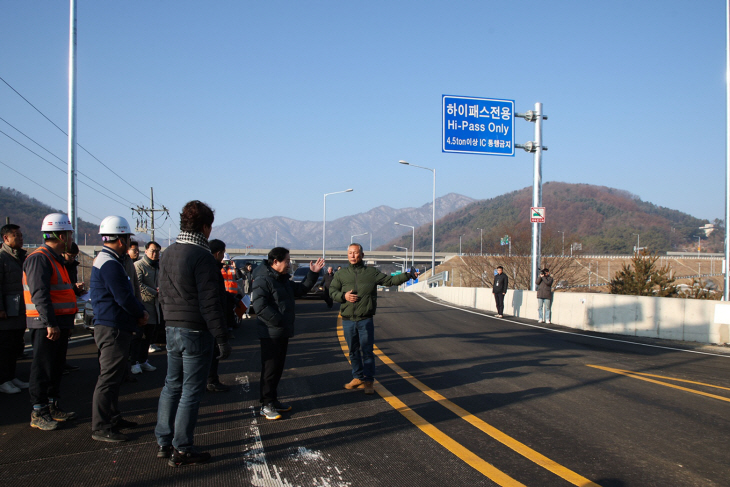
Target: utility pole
{"x":143,"y":212}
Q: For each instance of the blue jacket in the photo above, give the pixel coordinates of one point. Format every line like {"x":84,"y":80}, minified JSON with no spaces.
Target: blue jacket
{"x":112,"y":295}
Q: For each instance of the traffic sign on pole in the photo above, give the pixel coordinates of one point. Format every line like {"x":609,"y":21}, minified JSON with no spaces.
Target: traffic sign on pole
{"x":478,"y":125}
{"x":537,"y":214}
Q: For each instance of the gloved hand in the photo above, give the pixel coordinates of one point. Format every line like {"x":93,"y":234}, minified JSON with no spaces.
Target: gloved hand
{"x":224,"y":351}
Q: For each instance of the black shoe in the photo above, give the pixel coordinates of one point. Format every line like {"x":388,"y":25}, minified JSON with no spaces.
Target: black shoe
{"x":281,"y":407}
{"x":70,"y":367}
{"x":110,"y":436}
{"x":165,"y":451}
{"x":122,"y":423}
{"x":182,"y":458}
{"x":218,"y":387}
{"x":59,"y":414}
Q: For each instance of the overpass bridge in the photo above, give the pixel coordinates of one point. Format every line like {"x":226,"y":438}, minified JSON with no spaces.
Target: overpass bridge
{"x":340,"y":256}
{"x":333,"y":256}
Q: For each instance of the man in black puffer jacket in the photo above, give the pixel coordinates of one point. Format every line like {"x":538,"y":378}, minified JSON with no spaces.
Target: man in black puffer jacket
{"x":273,"y":301}
{"x":190,"y":282}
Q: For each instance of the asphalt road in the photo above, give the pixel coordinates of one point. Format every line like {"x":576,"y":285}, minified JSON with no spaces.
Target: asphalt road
{"x":462,"y":399}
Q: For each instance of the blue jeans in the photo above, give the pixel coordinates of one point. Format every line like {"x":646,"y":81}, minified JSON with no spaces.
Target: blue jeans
{"x":189,"y":355}
{"x":360,"y":336}
{"x":546,"y":303}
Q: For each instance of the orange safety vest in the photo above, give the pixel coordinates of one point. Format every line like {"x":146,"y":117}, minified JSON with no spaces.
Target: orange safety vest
{"x":62,"y":293}
{"x":229,"y":276}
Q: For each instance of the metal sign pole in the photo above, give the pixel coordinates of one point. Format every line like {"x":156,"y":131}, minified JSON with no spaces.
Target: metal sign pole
{"x":537,"y":196}
{"x":725,"y":295}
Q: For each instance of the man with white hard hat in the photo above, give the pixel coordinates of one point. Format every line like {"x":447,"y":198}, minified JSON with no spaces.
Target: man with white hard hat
{"x":50,"y":304}
{"x":117,"y":313}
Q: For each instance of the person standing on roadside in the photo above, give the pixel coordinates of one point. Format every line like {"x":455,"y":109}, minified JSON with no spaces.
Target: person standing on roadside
{"x":50,"y":306}
{"x":544,"y":295}
{"x":133,"y":251}
{"x":273,"y":302}
{"x":499,"y":289}
{"x":218,"y":249}
{"x":247,"y":288}
{"x":12,"y":307}
{"x":190,"y":296}
{"x":147,"y":270}
{"x":117,"y":315}
{"x":326,"y":282}
{"x":356,"y":287}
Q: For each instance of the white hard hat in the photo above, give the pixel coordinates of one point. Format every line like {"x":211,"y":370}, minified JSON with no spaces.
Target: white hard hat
{"x":226,"y":256}
{"x":114,"y":225}
{"x":57,"y":222}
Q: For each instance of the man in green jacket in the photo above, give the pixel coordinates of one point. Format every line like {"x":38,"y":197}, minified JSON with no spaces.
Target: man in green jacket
{"x":356,"y":287}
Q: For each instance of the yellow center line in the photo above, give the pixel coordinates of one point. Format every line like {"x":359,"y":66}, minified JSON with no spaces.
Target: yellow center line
{"x":645,"y":377}
{"x":483,"y":426}
{"x":463,"y":453}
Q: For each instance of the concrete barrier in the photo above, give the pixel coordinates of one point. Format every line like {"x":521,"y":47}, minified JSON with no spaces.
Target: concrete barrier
{"x":642,"y":316}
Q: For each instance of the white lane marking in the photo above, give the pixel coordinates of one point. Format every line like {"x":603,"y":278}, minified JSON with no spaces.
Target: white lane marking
{"x":573,"y":333}
{"x":265,"y":475}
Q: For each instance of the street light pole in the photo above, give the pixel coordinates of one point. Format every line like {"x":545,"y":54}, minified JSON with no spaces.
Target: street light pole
{"x":481,"y":241}
{"x":563,"y":252}
{"x":460,"y":254}
{"x":638,"y":246}
{"x":324,"y":216}
{"x":358,"y":235}
{"x":433,"y":224}
{"x":413,"y":249}
{"x":405,"y":262}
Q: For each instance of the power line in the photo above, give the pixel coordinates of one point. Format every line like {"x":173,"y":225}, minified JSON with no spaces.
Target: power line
{"x":54,"y":155}
{"x":65,"y":172}
{"x":51,"y":192}
{"x":64,"y":133}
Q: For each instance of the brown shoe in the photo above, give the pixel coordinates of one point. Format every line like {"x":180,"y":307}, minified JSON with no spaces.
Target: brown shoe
{"x":369,"y":388}
{"x":355,"y":384}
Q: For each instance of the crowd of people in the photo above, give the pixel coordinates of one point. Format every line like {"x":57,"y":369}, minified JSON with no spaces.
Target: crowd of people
{"x":192,"y":293}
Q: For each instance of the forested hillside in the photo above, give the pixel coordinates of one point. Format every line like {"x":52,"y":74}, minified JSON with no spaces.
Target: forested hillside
{"x":602,"y":220}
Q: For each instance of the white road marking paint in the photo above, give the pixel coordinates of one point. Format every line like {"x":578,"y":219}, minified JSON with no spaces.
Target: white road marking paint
{"x":265,"y":475}
{"x":572,"y":333}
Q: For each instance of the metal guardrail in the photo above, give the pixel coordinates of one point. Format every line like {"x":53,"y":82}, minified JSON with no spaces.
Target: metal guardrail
{"x":436,"y":278}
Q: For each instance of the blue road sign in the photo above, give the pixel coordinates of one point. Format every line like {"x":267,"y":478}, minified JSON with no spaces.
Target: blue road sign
{"x":478,"y":125}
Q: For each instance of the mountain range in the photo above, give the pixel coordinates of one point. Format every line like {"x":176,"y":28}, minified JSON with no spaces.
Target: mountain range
{"x":591,"y":219}
{"x":378,"y":222}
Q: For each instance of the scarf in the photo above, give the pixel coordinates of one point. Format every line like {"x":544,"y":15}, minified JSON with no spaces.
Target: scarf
{"x":193,"y":238}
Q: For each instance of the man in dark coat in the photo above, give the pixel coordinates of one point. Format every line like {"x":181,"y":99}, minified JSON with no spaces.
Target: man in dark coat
{"x":544,"y":295}
{"x":273,"y":301}
{"x":499,"y":289}
{"x":326,"y":282}
{"x":12,"y":307}
{"x":190,"y":281}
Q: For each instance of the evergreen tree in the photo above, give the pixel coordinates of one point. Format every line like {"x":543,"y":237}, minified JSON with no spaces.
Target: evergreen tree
{"x":644,"y":278}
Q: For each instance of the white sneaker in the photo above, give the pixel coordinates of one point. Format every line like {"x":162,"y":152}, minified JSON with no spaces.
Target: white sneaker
{"x":20,"y":384}
{"x":540,"y":321}
{"x":549,"y":322}
{"x":136,"y":368}
{"x":153,"y":348}
{"x":9,"y":388}
{"x":147,"y":367}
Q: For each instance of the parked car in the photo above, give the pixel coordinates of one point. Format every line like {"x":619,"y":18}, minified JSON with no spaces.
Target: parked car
{"x":243,"y":260}
{"x":301,"y":273}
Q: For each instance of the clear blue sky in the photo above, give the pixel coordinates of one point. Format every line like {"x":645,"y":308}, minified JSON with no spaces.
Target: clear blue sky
{"x":258,"y":108}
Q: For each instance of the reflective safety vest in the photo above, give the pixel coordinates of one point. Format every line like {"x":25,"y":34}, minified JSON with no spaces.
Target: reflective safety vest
{"x":229,"y":276}
{"x":62,"y":291}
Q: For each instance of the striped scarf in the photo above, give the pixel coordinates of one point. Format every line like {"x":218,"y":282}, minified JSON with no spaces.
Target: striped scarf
{"x":193,"y":238}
